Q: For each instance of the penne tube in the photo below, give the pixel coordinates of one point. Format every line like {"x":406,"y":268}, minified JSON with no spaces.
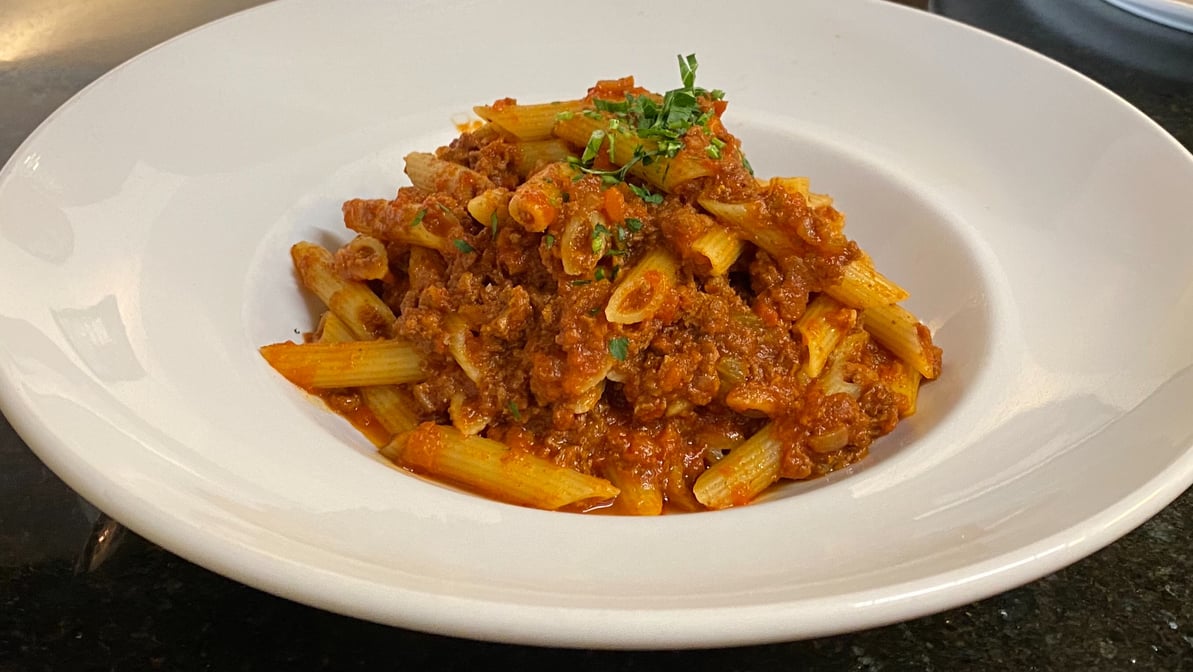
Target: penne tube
{"x":586,"y":400}
{"x":717,"y":249}
{"x":906,"y":383}
{"x":400,"y":223}
{"x":901,"y":333}
{"x":781,"y":238}
{"x":579,"y":249}
{"x":823,"y":325}
{"x":352,"y":364}
{"x":530,"y":157}
{"x":332,"y":329}
{"x":392,"y":406}
{"x":834,"y":378}
{"x":802,"y":186}
{"x":457,"y":345}
{"x":636,"y":497}
{"x":537,"y":204}
{"x":465,"y":416}
{"x":428,"y":172}
{"x":362,"y":258}
{"x":641,"y":290}
{"x":862,"y":286}
{"x":528,"y":122}
{"x":743,"y":474}
{"x":662,"y":172}
{"x":490,"y":207}
{"x":747,"y":220}
{"x":364,"y":313}
{"x":492,"y":469}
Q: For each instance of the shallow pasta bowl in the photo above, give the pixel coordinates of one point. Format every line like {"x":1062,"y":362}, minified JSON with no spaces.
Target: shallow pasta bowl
{"x":144,"y":231}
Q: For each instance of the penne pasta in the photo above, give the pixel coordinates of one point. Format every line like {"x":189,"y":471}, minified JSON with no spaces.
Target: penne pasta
{"x":743,"y":474}
{"x":433,"y":174}
{"x":493,"y":469}
{"x":907,"y":384}
{"x":718,"y":250}
{"x":835,"y":378}
{"x":365,"y":315}
{"x":641,"y":290}
{"x":407,"y":223}
{"x":863,"y":287}
{"x":362,"y":258}
{"x":903,"y":335}
{"x":537,"y":204}
{"x":747,"y":220}
{"x":531,"y":156}
{"x":392,"y":406}
{"x":353,"y":364}
{"x":823,"y":325}
{"x":528,"y":122}
{"x":457,"y":344}
{"x":491,"y":208}
{"x":636,"y":497}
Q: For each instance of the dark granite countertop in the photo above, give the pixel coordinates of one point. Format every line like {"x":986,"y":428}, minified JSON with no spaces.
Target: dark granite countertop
{"x":70,"y":602}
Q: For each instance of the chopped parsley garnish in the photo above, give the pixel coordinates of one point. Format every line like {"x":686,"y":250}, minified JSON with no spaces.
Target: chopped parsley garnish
{"x":418,"y":217}
{"x":581,"y":283}
{"x":646,"y":195}
{"x":463,"y":246}
{"x":633,"y":224}
{"x":593,"y":146}
{"x":515,"y":411}
{"x":548,"y":240}
{"x":619,"y":348}
{"x":493,"y":224}
{"x":599,"y":274}
{"x":714,"y":148}
{"x":663,"y":122}
{"x":599,"y":234}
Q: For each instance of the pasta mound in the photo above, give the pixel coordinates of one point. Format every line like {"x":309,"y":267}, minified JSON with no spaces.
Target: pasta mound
{"x":595,"y":305}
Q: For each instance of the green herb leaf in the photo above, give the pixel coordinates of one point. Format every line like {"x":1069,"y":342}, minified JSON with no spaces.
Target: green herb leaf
{"x":645,"y":194}
{"x":463,"y":246}
{"x":619,"y":348}
{"x":514,"y":411}
{"x":687,"y":71}
{"x":593,"y":146}
{"x":599,"y":274}
{"x":493,"y":224}
{"x":633,"y":224}
{"x":418,"y":217}
{"x":548,"y":240}
{"x":581,"y":283}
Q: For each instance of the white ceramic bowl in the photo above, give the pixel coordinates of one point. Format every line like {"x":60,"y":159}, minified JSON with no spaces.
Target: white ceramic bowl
{"x":1040,"y":222}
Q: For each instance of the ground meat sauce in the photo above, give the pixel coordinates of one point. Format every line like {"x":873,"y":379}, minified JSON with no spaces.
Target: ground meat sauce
{"x":719,"y":358}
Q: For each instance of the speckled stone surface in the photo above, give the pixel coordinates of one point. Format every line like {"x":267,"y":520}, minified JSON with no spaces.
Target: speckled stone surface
{"x":129,"y":605}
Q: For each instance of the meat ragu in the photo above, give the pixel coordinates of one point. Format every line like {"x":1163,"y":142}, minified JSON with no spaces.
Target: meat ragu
{"x":595,"y":305}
